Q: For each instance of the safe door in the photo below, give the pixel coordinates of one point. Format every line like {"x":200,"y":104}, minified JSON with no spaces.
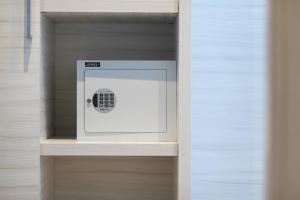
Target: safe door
{"x":125,"y":100}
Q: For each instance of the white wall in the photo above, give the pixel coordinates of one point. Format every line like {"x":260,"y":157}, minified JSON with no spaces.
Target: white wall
{"x":229,"y":99}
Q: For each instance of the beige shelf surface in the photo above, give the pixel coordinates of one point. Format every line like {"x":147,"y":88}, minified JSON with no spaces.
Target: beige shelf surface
{"x":121,"y":6}
{"x":72,"y":147}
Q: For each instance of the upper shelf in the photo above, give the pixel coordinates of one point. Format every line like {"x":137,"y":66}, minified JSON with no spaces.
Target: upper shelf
{"x":111,"y":6}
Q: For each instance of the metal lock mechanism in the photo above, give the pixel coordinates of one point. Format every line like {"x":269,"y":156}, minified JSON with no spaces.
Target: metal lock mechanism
{"x":104,"y":100}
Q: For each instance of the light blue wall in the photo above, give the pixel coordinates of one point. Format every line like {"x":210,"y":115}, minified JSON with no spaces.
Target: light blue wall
{"x":229,"y":99}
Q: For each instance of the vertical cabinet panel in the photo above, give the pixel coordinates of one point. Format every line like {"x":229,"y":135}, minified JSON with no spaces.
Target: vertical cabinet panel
{"x":284,"y":150}
{"x":184,"y":99}
{"x":19,"y":102}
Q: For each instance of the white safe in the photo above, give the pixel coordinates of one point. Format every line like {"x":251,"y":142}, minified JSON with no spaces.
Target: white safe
{"x":126,"y":101}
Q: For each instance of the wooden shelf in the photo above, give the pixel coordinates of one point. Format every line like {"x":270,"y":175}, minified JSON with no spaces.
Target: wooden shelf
{"x":120,"y":6}
{"x":72,"y":147}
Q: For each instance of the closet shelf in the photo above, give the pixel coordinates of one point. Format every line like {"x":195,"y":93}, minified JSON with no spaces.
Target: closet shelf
{"x":72,"y":147}
{"x":111,"y":6}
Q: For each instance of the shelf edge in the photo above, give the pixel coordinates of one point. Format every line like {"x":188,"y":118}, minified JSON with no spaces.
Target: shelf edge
{"x":127,"y":6}
{"x":75,"y":148}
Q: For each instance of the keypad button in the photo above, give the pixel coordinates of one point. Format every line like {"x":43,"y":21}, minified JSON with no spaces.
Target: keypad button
{"x":104,"y":100}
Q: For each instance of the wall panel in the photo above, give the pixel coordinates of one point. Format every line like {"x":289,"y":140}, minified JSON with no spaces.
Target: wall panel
{"x":19,"y":104}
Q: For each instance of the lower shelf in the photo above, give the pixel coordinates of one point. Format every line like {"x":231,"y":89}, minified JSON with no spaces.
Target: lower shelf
{"x":108,"y":178}
{"x":72,"y":147}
